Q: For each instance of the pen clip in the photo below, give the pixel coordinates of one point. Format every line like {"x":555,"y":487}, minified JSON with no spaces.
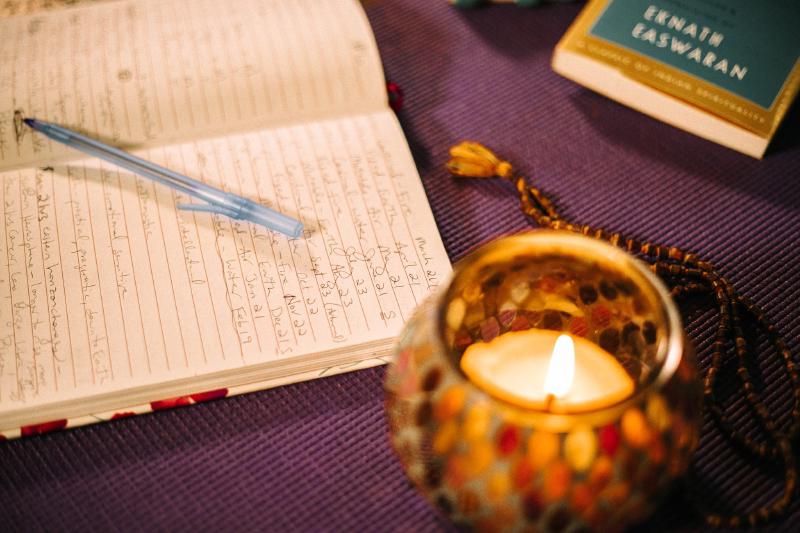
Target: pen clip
{"x":210,"y":208}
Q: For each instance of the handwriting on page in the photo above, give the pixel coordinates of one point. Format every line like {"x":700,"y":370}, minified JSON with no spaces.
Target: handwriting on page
{"x":10,"y":8}
{"x":104,"y":283}
{"x":173,"y":70}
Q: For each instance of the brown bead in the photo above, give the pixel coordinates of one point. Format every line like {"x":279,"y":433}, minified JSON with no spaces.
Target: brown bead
{"x":626,"y":287}
{"x":533,"y":505}
{"x":494,"y":281}
{"x":558,"y":520}
{"x":633,"y":367}
{"x":588,"y":294}
{"x":424,"y":413}
{"x":609,"y":340}
{"x":433,"y":475}
{"x":629,"y":333}
{"x":468,"y":502}
{"x":608,"y":291}
{"x":444,"y":504}
{"x":552,"y":320}
{"x":432,"y":379}
{"x":649,"y":332}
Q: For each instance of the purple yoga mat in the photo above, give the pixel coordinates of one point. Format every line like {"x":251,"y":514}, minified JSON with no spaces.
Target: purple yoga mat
{"x":315,"y":456}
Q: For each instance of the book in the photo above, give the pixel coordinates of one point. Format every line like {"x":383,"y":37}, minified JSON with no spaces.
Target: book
{"x":726,"y":71}
{"x":112,"y":301}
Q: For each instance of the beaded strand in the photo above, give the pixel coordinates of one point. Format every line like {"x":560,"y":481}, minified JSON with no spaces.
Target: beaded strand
{"x":687,"y":275}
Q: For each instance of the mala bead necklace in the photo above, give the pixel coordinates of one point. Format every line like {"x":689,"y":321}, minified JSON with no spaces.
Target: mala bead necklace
{"x":687,"y":275}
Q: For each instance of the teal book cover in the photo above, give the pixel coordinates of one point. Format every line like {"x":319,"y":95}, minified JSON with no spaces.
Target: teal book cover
{"x":737,"y":59}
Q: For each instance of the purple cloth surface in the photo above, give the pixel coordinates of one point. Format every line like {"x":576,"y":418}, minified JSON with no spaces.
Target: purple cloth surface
{"x":315,"y":456}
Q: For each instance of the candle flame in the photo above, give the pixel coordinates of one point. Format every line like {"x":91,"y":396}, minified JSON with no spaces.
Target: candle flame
{"x":561,"y":371}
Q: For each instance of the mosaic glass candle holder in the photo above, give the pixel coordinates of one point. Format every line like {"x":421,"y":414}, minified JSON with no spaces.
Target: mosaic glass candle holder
{"x":489,"y":457}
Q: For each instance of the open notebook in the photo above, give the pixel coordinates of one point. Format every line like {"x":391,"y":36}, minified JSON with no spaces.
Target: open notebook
{"x":112,"y":301}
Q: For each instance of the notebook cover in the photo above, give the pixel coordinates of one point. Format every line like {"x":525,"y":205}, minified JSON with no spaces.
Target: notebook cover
{"x":189,"y":399}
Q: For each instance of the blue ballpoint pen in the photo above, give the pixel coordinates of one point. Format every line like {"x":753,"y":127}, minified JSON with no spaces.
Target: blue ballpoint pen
{"x":218,"y":201}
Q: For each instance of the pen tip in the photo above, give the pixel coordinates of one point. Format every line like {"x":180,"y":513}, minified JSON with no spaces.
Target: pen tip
{"x":29,"y":121}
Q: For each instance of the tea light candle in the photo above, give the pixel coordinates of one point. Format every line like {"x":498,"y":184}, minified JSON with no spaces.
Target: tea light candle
{"x":545,"y":388}
{"x":547,"y":370}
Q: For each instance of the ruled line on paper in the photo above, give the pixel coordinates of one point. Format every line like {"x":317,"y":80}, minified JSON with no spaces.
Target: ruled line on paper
{"x":163,"y":71}
{"x":173,"y":307}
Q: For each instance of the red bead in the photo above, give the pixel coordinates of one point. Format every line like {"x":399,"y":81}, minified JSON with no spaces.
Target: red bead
{"x":601,"y":316}
{"x":609,"y":439}
{"x":462,"y":340}
{"x":578,"y":326}
{"x":490,"y":329}
{"x":507,"y":439}
{"x":522,"y":473}
{"x":520,"y":323}
{"x":548,"y":284}
{"x":507,"y":317}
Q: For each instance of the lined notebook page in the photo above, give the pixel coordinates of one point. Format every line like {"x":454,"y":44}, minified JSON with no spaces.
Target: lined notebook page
{"x":148,"y":72}
{"x":104,"y":284}
{"x":10,"y":8}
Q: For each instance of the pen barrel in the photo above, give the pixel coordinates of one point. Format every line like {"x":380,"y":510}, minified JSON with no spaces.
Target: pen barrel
{"x":272,"y":219}
{"x":218,"y":201}
{"x":223,"y":202}
{"x":148,"y":169}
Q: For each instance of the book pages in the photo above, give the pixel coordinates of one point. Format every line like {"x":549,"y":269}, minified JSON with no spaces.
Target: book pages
{"x":105,"y":285}
{"x":144,"y":73}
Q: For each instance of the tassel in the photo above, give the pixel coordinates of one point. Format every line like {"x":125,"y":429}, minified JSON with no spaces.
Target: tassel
{"x":473,"y":160}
